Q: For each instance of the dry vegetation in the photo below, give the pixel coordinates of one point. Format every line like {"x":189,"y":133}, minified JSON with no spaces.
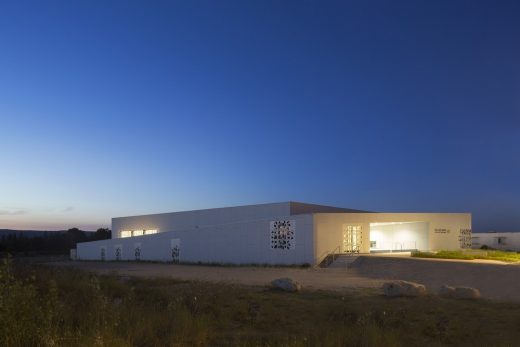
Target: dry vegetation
{"x":505,"y":256}
{"x":48,"y":306}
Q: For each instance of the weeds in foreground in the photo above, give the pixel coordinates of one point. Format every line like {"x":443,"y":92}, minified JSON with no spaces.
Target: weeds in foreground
{"x":47,"y":306}
{"x":27,"y":315}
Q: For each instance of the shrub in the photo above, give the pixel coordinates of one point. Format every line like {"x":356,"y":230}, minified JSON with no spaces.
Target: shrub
{"x":53,"y":306}
{"x":27,"y":316}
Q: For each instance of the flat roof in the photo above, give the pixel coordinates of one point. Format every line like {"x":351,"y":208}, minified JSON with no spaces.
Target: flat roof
{"x":294,"y":208}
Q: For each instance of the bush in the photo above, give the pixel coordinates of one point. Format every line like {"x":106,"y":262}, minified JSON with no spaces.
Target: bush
{"x":506,"y":256}
{"x":52,"y":306}
{"x":28,"y":316}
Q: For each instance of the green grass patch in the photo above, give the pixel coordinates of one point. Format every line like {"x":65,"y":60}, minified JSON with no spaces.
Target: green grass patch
{"x":55,"y":306}
{"x":505,"y":256}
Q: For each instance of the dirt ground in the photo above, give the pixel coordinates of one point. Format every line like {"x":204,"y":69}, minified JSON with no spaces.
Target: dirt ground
{"x":495,"y":280}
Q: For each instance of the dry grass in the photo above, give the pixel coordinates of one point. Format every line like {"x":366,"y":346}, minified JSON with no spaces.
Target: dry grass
{"x":45,"y":306}
{"x":510,"y":257}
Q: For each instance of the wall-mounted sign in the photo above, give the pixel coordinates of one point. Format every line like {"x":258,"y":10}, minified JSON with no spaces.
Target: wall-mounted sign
{"x":442,"y":231}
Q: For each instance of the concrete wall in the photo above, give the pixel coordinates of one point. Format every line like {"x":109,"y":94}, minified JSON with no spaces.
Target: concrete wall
{"x":443,"y":228}
{"x":199,"y":218}
{"x":243,"y":242}
{"x":502,"y":241}
{"x":216,"y":216}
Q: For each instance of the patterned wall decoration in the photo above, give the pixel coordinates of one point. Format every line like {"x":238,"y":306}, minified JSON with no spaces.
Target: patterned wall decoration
{"x":175,"y":249}
{"x":283,"y":233}
{"x":137,"y":250}
{"x":103,"y":252}
{"x":118,"y":252}
{"x":465,"y":238}
{"x":352,"y":239}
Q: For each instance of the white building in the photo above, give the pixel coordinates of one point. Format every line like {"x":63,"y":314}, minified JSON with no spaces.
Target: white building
{"x":507,"y":241}
{"x":277,"y":233}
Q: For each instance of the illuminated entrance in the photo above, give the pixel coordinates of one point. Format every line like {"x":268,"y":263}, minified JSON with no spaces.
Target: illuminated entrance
{"x":398,"y":236}
{"x":352,"y":239}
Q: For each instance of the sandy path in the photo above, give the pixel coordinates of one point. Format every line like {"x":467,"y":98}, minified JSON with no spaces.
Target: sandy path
{"x":495,"y":280}
{"x":328,"y":279}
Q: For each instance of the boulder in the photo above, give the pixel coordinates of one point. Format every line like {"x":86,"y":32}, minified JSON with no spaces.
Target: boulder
{"x":467,"y":293}
{"x":403,"y":288}
{"x":286,"y":284}
{"x":459,"y":292}
{"x":447,"y":291}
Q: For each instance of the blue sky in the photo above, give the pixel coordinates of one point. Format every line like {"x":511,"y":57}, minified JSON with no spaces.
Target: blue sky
{"x":114,"y":108}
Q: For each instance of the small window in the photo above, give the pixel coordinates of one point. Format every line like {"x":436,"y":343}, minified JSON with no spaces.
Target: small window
{"x":140,"y":232}
{"x":373,"y":244}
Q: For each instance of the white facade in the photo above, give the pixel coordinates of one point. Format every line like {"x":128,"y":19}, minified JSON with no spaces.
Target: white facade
{"x":278,"y":233}
{"x":383,"y":232}
{"x":507,"y":241}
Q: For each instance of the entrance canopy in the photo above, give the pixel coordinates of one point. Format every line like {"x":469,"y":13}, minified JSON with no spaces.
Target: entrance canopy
{"x":398,"y":236}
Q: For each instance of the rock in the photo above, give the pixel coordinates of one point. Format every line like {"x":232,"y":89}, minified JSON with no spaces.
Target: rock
{"x":467,"y":293}
{"x":117,"y":301}
{"x":286,"y":284}
{"x":447,"y":291}
{"x":403,"y":288}
{"x":459,"y":292}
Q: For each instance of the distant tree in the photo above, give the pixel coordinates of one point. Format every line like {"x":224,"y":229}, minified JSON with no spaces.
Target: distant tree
{"x":49,"y":242}
{"x":103,"y":234}
{"x":75,"y":235}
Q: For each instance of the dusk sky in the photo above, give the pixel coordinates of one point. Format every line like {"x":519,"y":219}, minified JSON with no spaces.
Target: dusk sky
{"x":116,"y":108}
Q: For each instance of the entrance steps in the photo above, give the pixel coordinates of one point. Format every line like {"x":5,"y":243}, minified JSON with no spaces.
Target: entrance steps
{"x":343,"y":261}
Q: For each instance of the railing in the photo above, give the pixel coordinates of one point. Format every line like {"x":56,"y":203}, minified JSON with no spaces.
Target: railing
{"x":321,"y":258}
{"x":328,"y":257}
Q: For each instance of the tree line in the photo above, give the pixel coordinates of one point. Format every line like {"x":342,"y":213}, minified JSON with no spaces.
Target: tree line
{"x":49,"y":242}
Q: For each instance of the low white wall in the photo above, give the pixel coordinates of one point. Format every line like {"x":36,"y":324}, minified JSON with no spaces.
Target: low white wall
{"x":502,"y":241}
{"x":238,"y":243}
